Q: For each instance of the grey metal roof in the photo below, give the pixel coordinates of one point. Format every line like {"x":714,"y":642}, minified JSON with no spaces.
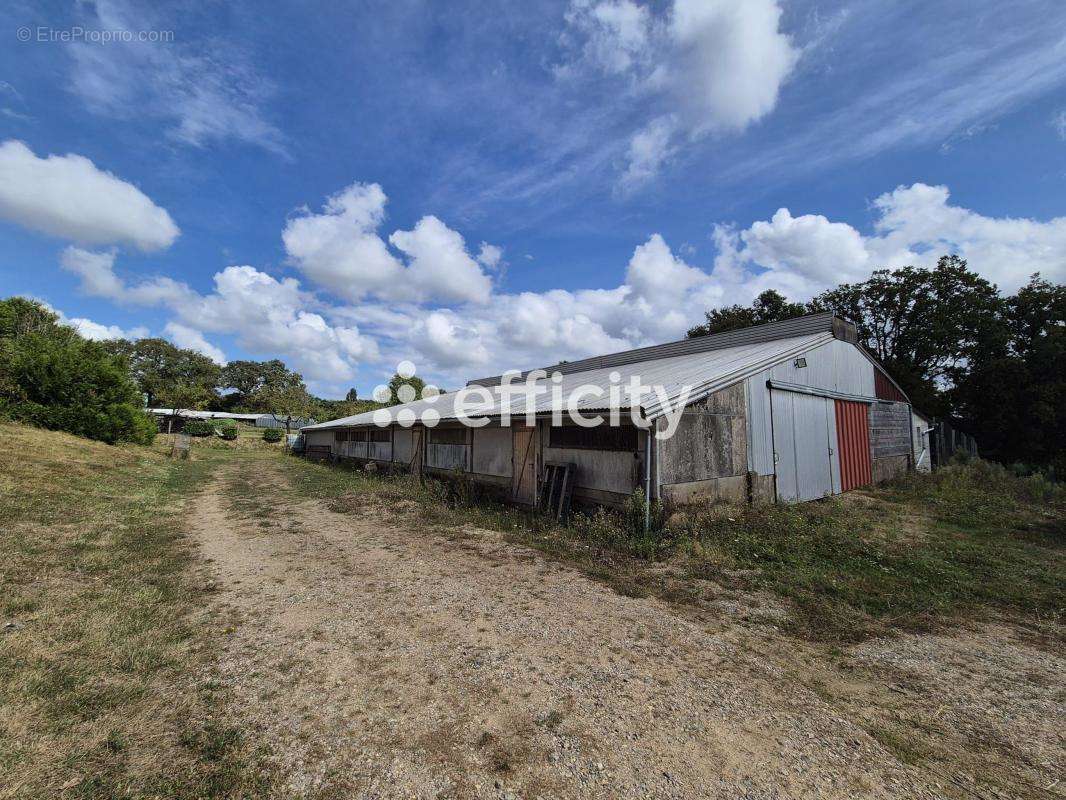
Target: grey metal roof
{"x":184,"y":412}
{"x":798,"y":326}
{"x":699,"y":373}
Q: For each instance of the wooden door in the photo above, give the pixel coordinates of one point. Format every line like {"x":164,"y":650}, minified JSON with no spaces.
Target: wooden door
{"x":524,"y":465}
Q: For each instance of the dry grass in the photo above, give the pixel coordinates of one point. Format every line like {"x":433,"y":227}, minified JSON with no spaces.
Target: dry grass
{"x":104,"y":642}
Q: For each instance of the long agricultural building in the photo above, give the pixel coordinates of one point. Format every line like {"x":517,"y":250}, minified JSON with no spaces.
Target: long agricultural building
{"x":789,"y":411}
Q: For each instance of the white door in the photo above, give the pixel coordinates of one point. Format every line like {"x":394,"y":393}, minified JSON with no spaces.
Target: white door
{"x":803,"y":451}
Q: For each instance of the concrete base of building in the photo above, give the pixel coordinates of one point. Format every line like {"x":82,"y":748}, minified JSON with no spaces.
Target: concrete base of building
{"x":888,"y":467}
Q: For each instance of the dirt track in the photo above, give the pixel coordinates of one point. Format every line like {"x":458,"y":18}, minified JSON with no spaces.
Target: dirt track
{"x":383,"y":661}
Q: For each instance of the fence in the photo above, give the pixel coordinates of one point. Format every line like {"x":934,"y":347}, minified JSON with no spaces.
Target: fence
{"x":946,"y":441}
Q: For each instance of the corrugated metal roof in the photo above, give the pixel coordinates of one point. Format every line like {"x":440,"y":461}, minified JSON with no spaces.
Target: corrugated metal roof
{"x":184,"y":412}
{"x":770,"y":331}
{"x":698,"y":374}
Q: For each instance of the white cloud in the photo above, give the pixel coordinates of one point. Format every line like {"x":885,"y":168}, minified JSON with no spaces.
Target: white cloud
{"x":1058,"y":122}
{"x":209,"y":93}
{"x":340,"y":249}
{"x":99,"y":332}
{"x":649,"y":149}
{"x":191,"y":339}
{"x":718,"y":65}
{"x":915,"y":225}
{"x":268,"y":317}
{"x":439,"y":265}
{"x":98,"y":278}
{"x":490,"y":256}
{"x":70,"y":197}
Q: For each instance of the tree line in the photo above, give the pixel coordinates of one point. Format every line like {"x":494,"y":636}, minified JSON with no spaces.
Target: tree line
{"x":995,"y":365}
{"x":53,"y":377}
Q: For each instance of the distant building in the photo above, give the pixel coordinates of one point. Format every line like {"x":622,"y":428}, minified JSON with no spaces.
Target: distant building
{"x":789,"y":411}
{"x":172,"y":420}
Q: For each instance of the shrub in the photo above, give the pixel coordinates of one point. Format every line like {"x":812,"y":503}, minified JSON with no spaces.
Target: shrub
{"x":52,"y":377}
{"x":272,"y":435}
{"x":198,"y":427}
{"x":228,"y":432}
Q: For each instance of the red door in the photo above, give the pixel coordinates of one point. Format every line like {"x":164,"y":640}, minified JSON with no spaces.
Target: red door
{"x":853,"y":443}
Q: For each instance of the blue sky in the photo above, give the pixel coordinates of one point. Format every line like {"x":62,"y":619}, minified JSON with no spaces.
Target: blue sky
{"x":478,"y":187}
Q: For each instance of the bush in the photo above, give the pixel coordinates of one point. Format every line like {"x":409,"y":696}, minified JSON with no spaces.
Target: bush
{"x":228,"y":432}
{"x":198,"y":427}
{"x":272,"y":435}
{"x":52,"y":377}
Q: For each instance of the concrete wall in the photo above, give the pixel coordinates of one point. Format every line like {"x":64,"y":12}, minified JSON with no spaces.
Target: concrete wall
{"x":835,"y":366}
{"x":707,"y":457}
{"x":492,"y":448}
{"x":883,"y":469}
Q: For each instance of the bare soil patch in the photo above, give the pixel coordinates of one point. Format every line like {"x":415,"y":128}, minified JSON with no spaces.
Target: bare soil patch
{"x":375,"y":658}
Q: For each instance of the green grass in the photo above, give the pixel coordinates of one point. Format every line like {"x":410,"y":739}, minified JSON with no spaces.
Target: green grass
{"x":913,"y":554}
{"x":98,"y":688}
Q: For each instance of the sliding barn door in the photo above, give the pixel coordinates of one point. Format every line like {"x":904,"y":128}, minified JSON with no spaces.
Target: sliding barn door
{"x":853,"y":443}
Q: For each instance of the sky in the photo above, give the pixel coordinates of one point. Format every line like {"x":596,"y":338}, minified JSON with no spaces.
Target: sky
{"x":484,"y":186}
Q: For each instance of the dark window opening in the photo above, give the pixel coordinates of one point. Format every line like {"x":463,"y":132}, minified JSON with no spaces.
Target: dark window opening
{"x":602,"y":437}
{"x":340,"y":436}
{"x":380,"y":435}
{"x":447,"y":435}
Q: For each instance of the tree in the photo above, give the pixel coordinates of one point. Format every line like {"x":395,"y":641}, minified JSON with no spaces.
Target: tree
{"x":352,"y":395}
{"x":52,"y":377}
{"x":258,"y":383}
{"x":169,"y":376}
{"x":397,"y":382}
{"x":925,"y":326}
{"x":770,"y":306}
{"x":1014,"y":401}
{"x":288,"y":401}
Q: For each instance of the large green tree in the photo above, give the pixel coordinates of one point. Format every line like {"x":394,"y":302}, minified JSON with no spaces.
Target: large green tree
{"x":1013,"y":397}
{"x":52,"y":377}
{"x":169,"y":376}
{"x":926,"y":326}
{"x":770,"y":306}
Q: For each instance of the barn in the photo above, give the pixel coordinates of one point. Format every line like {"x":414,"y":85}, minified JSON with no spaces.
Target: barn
{"x":788,"y":411}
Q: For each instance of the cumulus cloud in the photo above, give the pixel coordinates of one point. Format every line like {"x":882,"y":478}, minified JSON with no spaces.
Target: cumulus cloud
{"x":341,"y":250}
{"x":439,"y":265}
{"x":719,"y":65}
{"x":490,"y":256}
{"x":70,"y":197}
{"x":99,"y":332}
{"x":192,"y":339}
{"x":269,"y":317}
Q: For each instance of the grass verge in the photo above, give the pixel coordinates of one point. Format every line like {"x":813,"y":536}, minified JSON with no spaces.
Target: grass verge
{"x":104,"y":633}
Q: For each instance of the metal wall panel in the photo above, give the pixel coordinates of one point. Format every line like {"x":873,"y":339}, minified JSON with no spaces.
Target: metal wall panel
{"x":802,"y":446}
{"x":835,"y":366}
{"x":492,"y":451}
{"x":447,"y":456}
{"x":402,"y":445}
{"x":853,"y":443}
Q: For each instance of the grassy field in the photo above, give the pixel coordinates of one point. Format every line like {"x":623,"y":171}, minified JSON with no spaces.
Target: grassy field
{"x":107,"y":646}
{"x":105,"y":686}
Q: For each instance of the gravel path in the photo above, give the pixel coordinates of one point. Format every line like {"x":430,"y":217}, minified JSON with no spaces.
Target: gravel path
{"x":378,"y":660}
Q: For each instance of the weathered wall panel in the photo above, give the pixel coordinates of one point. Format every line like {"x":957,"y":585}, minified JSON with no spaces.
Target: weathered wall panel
{"x":711,"y":440}
{"x":447,"y":456}
{"x":890,"y":429}
{"x":402,"y":445}
{"x":491,"y":451}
